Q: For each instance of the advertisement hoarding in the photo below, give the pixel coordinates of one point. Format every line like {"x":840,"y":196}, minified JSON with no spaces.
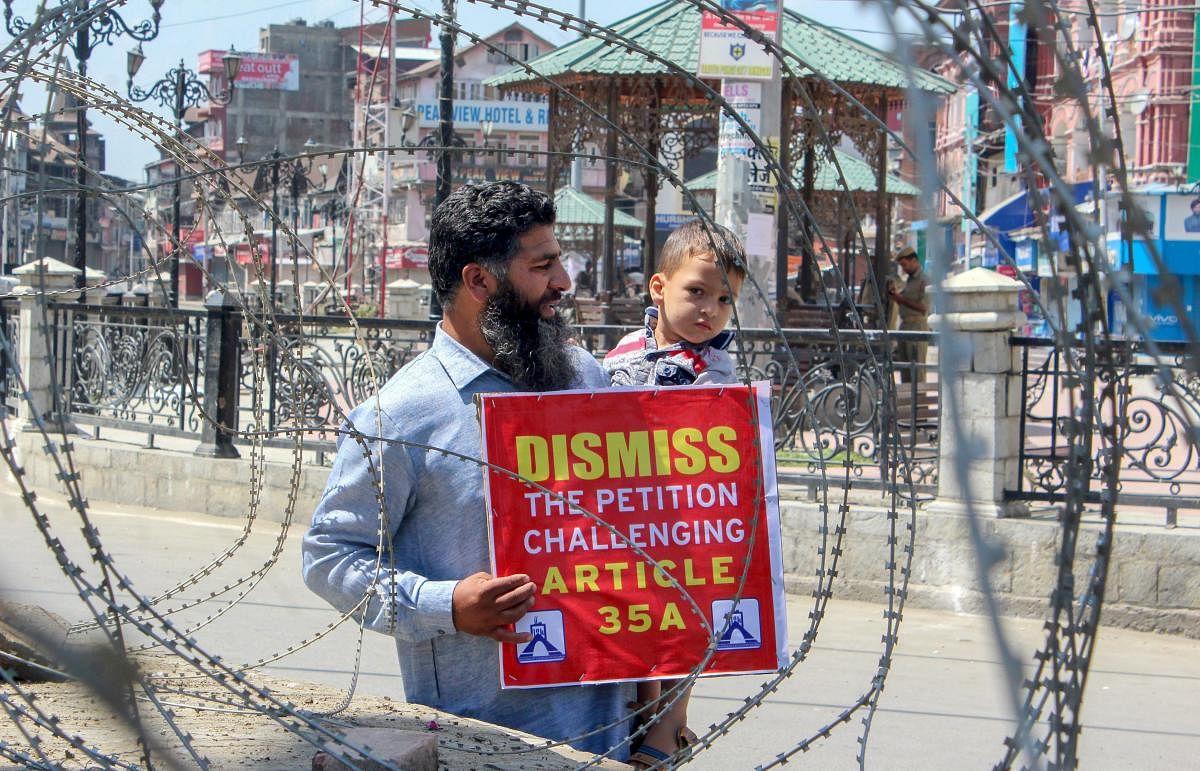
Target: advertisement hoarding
{"x":726,"y":52}
{"x":1182,"y":219}
{"x":406,"y":256}
{"x":259,"y":71}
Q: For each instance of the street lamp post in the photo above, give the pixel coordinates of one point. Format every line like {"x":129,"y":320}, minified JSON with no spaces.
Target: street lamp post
{"x":294,"y":172}
{"x":334,"y":209}
{"x":178,"y":91}
{"x":89,"y":25}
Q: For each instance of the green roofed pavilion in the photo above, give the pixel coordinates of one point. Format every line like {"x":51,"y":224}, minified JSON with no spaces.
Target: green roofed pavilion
{"x":671,"y":30}
{"x":579,"y":220}
{"x":575,"y":207}
{"x":641,"y":78}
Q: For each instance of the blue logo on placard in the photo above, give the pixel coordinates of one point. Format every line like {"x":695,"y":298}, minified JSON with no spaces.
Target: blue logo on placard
{"x":739,"y":626}
{"x":549,"y":641}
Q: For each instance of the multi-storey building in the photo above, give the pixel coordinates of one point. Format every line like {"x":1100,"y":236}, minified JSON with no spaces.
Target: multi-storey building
{"x":41,"y":155}
{"x":1148,"y":47}
{"x":503,"y":138}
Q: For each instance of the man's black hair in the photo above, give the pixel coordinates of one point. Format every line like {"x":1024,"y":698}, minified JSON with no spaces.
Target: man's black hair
{"x":482,"y":224}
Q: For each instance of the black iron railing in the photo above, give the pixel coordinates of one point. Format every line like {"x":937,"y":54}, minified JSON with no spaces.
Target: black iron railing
{"x":840,"y":408}
{"x":1158,"y":401}
{"x":138,"y":368}
{"x":312,"y":370}
{"x":10,"y":327}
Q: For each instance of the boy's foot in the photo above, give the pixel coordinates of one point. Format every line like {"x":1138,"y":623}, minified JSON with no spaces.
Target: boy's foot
{"x":648,"y":756}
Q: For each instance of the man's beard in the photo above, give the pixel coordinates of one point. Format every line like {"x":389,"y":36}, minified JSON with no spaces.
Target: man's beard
{"x":529,"y":349}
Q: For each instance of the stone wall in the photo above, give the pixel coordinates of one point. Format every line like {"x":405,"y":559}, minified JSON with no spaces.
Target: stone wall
{"x":1153,"y":580}
{"x":176,"y":481}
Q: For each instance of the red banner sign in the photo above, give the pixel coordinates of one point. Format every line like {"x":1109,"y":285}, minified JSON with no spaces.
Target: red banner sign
{"x":244,"y":254}
{"x":410,"y":256}
{"x":679,"y":473}
{"x":258,"y":70}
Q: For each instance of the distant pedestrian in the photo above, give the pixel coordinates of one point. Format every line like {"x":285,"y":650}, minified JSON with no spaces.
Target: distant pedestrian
{"x":913,"y":303}
{"x":585,"y":281}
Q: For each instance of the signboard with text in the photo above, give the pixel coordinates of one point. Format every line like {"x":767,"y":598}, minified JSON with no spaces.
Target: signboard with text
{"x":681,"y":474}
{"x":503,"y":115}
{"x":407,"y":256}
{"x":245,"y":254}
{"x":258,"y":70}
{"x":726,"y":52}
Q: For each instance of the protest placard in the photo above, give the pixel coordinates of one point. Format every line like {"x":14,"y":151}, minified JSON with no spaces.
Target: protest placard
{"x":686,"y":475}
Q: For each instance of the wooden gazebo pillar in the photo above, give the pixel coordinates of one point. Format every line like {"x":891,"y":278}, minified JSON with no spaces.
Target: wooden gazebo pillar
{"x":809,"y":185}
{"x":783,"y":212}
{"x":882,"y":220}
{"x":610,"y":185}
{"x":649,"y":252}
{"x":552,"y":160}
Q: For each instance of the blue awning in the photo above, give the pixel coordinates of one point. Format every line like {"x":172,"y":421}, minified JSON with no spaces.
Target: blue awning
{"x":1015,"y":213}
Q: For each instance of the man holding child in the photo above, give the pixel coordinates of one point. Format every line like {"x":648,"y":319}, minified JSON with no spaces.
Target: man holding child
{"x":399,"y":535}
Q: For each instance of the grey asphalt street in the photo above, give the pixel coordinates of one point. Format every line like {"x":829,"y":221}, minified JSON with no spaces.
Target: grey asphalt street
{"x":944,"y":706}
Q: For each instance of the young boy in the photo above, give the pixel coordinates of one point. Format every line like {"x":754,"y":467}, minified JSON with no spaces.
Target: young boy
{"x":701,"y":270}
{"x":683,"y":343}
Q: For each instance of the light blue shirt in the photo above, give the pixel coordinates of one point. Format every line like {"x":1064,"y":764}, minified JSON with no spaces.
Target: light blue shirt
{"x":434,"y":534}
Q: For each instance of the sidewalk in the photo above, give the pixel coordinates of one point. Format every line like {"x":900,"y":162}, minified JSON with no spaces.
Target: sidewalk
{"x":944,"y":705}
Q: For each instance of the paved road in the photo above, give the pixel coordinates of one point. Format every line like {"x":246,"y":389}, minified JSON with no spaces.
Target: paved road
{"x":944,"y":706}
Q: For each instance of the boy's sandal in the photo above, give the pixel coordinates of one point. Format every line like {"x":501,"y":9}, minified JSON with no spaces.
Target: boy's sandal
{"x":649,"y":757}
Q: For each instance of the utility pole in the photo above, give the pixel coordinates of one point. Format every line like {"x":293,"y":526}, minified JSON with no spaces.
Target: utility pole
{"x":445,"y":126}
{"x":577,"y":160}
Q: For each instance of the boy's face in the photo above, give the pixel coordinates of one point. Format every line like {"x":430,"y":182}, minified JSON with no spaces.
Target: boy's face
{"x":695,"y":302}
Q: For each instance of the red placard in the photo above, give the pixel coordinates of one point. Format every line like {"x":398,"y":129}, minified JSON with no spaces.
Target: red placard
{"x":687,"y":475}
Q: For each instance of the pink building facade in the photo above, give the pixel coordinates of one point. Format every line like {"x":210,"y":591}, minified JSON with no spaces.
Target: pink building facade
{"x":1149,"y":51}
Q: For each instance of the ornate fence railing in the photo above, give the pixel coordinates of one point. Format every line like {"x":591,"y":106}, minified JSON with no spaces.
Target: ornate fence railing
{"x":139,"y":368}
{"x":834,"y":413}
{"x":1158,"y":404}
{"x":840,"y":413}
{"x":311,"y":370}
{"x":10,"y":326}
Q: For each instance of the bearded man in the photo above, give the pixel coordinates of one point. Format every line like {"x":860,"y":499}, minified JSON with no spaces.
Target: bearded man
{"x":496,"y":268}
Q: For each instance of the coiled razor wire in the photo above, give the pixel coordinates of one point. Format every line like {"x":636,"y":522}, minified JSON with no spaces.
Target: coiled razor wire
{"x":1046,"y":708}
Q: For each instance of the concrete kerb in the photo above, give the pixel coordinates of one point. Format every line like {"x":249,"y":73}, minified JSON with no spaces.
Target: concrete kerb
{"x":175,"y":479}
{"x":943,"y":569}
